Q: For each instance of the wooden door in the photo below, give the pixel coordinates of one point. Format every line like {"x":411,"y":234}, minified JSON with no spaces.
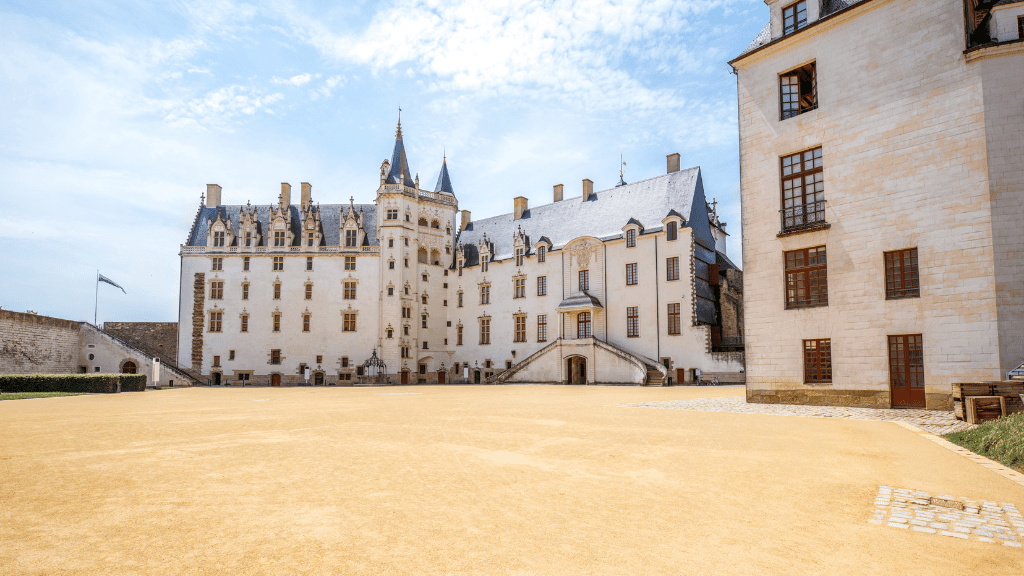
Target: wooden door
{"x":405,"y":376}
{"x":906,"y":371}
{"x":318,"y":378}
{"x":275,"y":380}
{"x":216,"y":378}
{"x":680,"y":376}
{"x":440,"y":377}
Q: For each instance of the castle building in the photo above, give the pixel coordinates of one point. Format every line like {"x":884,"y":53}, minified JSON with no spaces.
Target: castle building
{"x":630,"y":285}
{"x":882,"y":187}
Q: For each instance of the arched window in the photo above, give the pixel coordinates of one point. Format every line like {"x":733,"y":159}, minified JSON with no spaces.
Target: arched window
{"x":129,"y":367}
{"x":435,"y":224}
{"x":583,"y":325}
{"x":422,"y":222}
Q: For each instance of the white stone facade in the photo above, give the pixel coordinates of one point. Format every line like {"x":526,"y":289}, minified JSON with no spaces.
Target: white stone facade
{"x":921,"y":147}
{"x":418,"y":275}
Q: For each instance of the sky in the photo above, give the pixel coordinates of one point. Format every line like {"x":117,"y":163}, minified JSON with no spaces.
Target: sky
{"x":116,"y":115}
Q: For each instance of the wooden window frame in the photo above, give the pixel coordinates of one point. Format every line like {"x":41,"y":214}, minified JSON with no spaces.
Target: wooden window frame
{"x":279,"y":238}
{"x":584,"y":325}
{"x":519,"y":334}
{"x":310,"y":236}
{"x":798,"y":91}
{"x":519,"y":287}
{"x":674,"y":322}
{"x":542,"y":254}
{"x":216,"y":321}
{"x":818,"y":361}
{"x":217,"y":264}
{"x":306,"y":321}
{"x":217,"y":290}
{"x":794,"y":10}
{"x":244,"y":327}
{"x":278,"y":263}
{"x":351,"y":238}
{"x":245,"y":290}
{"x":485,"y":331}
{"x":309,"y":263}
{"x":520,"y":255}
{"x":348,"y":290}
{"x":902,"y":276}
{"x":277,"y":290}
{"x":632,"y":321}
{"x":631,"y":275}
{"x":485,"y":295}
{"x":458,"y":335}
{"x":806,"y":271}
{"x":348,"y":321}
{"x":276,"y":319}
{"x":542,"y":285}
{"x":275,"y":357}
{"x":309,"y":290}
{"x":218,"y":239}
{"x":542,"y":328}
{"x":672,"y":231}
{"x":805,"y":209}
{"x":631,"y":238}
{"x":584,"y":280}
{"x":245,"y":264}
{"x":672,"y":269}
{"x":350,"y":262}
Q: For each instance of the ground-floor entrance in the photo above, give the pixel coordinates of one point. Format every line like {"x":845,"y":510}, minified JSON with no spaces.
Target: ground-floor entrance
{"x":576,"y":370}
{"x":440,"y":377}
{"x":275,"y":379}
{"x":906,"y":371}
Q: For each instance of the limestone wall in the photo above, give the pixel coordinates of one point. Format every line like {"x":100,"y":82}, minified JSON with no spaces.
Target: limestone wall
{"x":158,"y":339}
{"x":30,"y":343}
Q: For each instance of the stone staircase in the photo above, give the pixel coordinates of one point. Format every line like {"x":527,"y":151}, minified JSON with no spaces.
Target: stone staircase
{"x":654,"y":378}
{"x":1016,"y":374}
{"x":656,"y":374}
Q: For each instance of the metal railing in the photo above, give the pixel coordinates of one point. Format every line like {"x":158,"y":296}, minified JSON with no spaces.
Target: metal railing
{"x":810,"y":215}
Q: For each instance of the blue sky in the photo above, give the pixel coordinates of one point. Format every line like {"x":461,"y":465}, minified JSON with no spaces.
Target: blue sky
{"x":117,"y":114}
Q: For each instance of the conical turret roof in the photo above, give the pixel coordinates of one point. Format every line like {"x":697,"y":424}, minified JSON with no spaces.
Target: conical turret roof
{"x":444,"y":183}
{"x":399,"y":164}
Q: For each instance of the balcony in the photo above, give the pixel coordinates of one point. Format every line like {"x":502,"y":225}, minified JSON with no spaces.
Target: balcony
{"x":803,"y":218}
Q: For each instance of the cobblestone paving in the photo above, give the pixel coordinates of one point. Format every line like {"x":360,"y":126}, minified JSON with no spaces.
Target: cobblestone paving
{"x":980,"y":520}
{"x":934,"y":421}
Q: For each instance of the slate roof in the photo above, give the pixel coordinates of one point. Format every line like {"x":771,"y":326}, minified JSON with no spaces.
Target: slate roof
{"x":399,"y":164}
{"x":578,"y":301}
{"x":603,"y":216}
{"x":444,"y":183}
{"x":330,"y":221}
{"x":829,"y":7}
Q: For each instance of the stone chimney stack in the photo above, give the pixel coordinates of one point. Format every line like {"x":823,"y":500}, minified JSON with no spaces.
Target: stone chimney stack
{"x":588,"y":188}
{"x":307,"y":195}
{"x":212,"y":195}
{"x":465,"y":220}
{"x":558,"y":192}
{"x":286,"y":194}
{"x":519,"y":202}
{"x":673,"y":162}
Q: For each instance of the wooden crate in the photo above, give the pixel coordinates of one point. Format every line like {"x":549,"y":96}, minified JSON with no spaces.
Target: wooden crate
{"x":980,"y":409}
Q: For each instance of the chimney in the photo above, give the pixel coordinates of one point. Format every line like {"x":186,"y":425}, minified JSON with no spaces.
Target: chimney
{"x":520,"y":206}
{"x":465,"y":220}
{"x":673,"y":162}
{"x":307,"y":193}
{"x":588,"y":188}
{"x":286,"y":194}
{"x":212,"y":195}
{"x":558,"y":192}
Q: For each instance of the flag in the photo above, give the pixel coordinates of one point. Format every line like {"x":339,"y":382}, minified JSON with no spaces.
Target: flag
{"x":103,"y":278}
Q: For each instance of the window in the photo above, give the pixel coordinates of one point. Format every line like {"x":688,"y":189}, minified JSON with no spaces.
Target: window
{"x":350,"y":238}
{"x":542,"y":328}
{"x":630,"y":238}
{"x":305,"y":322}
{"x":248,"y":239}
{"x":392,"y":214}
{"x":391,"y":264}
{"x":405,"y":330}
{"x":319,"y":359}
{"x":407,"y":219}
{"x":520,"y":333}
{"x":671,"y":231}
{"x":673,"y":318}
{"x":583,"y":325}
{"x":818,"y":361}
{"x":806,"y":278}
{"x":485,"y":294}
{"x":632,"y":322}
{"x":217,"y":264}
{"x":458,"y":335}
{"x":277,"y":290}
{"x":348,"y":322}
{"x":309,"y":263}
{"x":245,"y":323}
{"x":309,"y":238}
{"x":405,"y":349}
{"x":344,"y":361}
{"x":278,"y":262}
{"x":1020,"y":27}
{"x":803,"y":190}
{"x":277,"y":321}
{"x":519,"y":288}
{"x":217,"y":290}
{"x":519,"y":256}
{"x":391,"y":242}
{"x":483,"y":264}
{"x":542,"y":253}
{"x":215,"y":321}
{"x":425,"y":348}
{"x":275,"y":356}
{"x":901,"y":279}
{"x":218,"y":239}
{"x":423,"y":320}
{"x":584,"y":279}
{"x":231,"y":354}
{"x":309,"y":291}
{"x":631,"y":274}
{"x":424,"y":277}
{"x":279,"y":238}
{"x":406,"y":312}
{"x":407,"y":289}
{"x":542,"y":285}
{"x":422,"y":222}
{"x":460,"y":298}
{"x":350,"y":262}
{"x":245,"y":291}
{"x":485,"y":330}
{"x":794,"y":17}
{"x":349,"y":290}
{"x":798,"y":90}
{"x":423,"y":299}
{"x":406,"y":241}
{"x":672,"y":268}
{"x":245,"y":264}
{"x":406,"y":262}
{"x":216,"y":361}
{"x":391,"y":333}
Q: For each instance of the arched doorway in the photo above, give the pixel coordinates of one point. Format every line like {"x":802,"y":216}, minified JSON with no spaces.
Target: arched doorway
{"x":576,"y":370}
{"x":318,"y":379}
{"x":440,"y":376}
{"x":129,"y":367}
{"x":275,"y":379}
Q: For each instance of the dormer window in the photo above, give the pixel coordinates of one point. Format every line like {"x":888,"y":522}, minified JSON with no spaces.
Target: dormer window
{"x":483,"y":264}
{"x":218,"y":239}
{"x":794,"y":17}
{"x":631,"y":238}
{"x":542,"y":254}
{"x":671,"y":231}
{"x":279,"y":238}
{"x":519,"y":256}
{"x":248,"y":239}
{"x":350,"y":238}
{"x":309,"y":239}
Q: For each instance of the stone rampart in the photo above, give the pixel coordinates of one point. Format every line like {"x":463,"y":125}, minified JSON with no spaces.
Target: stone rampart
{"x":30,"y":344}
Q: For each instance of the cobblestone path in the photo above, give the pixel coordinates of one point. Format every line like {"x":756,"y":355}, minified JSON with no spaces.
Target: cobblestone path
{"x":964,"y":518}
{"x":935,"y":421}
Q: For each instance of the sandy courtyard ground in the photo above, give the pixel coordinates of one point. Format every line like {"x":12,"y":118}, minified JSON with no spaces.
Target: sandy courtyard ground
{"x":465,"y":480}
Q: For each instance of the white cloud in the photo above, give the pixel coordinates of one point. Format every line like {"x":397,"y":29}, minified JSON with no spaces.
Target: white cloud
{"x":296,"y":81}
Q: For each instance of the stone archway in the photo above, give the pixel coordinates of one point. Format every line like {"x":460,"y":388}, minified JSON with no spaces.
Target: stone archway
{"x":576,"y":370}
{"x":129,"y":367}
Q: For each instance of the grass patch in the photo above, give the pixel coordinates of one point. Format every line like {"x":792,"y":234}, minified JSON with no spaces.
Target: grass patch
{"x":1001,"y":440}
{"x":24,"y":395}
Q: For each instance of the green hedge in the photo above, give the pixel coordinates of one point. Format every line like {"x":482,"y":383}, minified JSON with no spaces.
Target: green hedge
{"x":86,"y":383}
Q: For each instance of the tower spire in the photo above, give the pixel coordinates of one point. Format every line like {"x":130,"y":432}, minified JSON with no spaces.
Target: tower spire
{"x":398,"y":132}
{"x":622,"y":181}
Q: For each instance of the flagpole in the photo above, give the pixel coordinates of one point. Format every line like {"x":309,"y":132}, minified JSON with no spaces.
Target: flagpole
{"x":95,"y":310}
